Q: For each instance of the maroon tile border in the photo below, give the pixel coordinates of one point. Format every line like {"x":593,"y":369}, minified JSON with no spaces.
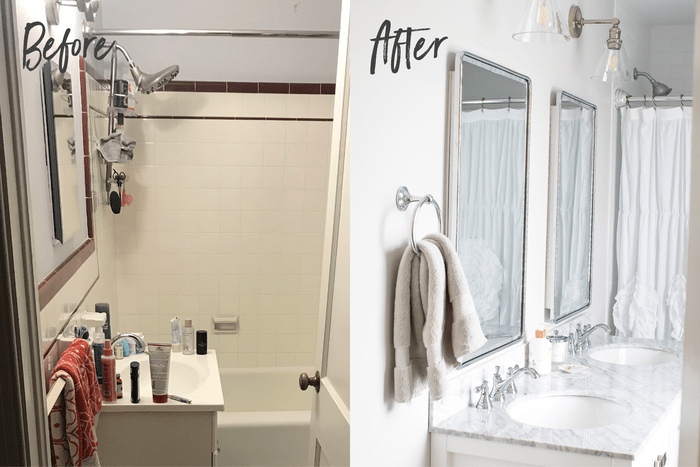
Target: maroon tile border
{"x":250,"y":87}
{"x":192,"y":117}
{"x":49,"y":287}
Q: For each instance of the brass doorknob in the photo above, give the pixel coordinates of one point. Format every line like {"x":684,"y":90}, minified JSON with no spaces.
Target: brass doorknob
{"x":305,"y":381}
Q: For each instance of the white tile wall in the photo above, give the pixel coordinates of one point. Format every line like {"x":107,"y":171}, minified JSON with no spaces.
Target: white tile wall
{"x":227,"y":219}
{"x":672,"y":57}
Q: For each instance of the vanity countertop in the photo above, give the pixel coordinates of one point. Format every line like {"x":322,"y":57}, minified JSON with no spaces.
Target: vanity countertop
{"x":650,"y":390}
{"x":195,"y":377}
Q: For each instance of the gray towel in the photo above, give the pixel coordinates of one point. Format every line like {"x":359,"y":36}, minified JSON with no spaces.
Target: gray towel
{"x":116,"y":147}
{"x":430,"y":333}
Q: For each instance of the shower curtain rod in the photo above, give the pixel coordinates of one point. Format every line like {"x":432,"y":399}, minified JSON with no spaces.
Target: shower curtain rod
{"x":622,"y":99}
{"x":90,"y":32}
{"x":518,"y":100}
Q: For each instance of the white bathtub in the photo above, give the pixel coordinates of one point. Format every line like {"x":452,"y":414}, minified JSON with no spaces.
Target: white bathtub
{"x":266,"y":422}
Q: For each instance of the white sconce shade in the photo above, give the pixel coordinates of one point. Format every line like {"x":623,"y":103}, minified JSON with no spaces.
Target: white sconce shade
{"x":543,"y":22}
{"x":613,"y":66}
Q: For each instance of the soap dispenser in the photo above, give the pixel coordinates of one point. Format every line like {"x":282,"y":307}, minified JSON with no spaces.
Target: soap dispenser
{"x":540,"y":352}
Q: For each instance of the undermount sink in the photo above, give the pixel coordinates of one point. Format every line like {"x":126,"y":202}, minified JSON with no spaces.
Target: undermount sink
{"x":568,"y":412}
{"x":633,"y":356}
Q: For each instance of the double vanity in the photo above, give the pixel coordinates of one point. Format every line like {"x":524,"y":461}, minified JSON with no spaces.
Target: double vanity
{"x":622,"y":411}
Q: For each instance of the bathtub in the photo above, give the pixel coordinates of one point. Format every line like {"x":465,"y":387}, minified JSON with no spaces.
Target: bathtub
{"x":266,"y":422}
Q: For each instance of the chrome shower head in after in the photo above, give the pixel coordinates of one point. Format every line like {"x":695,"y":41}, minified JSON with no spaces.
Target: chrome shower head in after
{"x":149,"y":82}
{"x":657,"y":89}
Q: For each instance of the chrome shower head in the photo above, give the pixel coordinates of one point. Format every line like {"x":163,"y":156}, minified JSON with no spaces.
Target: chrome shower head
{"x":657,"y":89}
{"x":149,"y":82}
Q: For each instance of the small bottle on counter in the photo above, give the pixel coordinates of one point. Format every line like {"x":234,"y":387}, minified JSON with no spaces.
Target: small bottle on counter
{"x":109,"y":374}
{"x":201,"y":342}
{"x":120,"y":389}
{"x":135,"y":382}
{"x":188,"y":338}
{"x":540,"y":352}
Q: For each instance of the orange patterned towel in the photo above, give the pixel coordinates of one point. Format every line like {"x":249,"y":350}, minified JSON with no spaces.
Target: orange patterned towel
{"x":72,"y":423}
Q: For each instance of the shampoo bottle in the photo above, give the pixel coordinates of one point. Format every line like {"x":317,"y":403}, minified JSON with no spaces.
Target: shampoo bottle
{"x":98,"y":343}
{"x":540,"y":352}
{"x":188,"y":338}
{"x":109,"y":374}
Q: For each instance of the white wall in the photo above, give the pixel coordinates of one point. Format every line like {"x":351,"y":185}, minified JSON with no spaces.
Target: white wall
{"x":398,"y":130}
{"x":230,"y":59}
{"x":47,"y":256}
{"x":672,"y":57}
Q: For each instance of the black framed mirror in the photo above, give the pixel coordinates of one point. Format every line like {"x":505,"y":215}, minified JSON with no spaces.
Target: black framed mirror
{"x":61,"y":157}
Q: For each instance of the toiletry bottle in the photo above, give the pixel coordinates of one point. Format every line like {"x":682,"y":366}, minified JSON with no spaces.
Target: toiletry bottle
{"x":188,"y":338}
{"x":107,"y":328}
{"x":201,"y":342}
{"x":135,"y":383}
{"x":540,"y":352}
{"x":119,"y":351}
{"x":109,"y":375}
{"x":98,"y":344}
{"x":120,"y":387}
{"x":175,"y":336}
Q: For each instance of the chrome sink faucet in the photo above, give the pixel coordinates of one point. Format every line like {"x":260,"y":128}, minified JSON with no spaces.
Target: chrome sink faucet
{"x":500,"y":389}
{"x":140,"y":344}
{"x":579,"y":340}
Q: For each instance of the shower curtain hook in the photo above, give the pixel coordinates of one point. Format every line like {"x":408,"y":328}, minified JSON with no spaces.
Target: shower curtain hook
{"x":508,"y":103}
{"x":482,"y":104}
{"x":681,"y":101}
{"x":654,"y":101}
{"x":645,"y":101}
{"x":627,"y":100}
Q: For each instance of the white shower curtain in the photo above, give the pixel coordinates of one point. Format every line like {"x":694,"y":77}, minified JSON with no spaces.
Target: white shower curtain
{"x":491,"y":211}
{"x":574,"y":209}
{"x":652,"y":226}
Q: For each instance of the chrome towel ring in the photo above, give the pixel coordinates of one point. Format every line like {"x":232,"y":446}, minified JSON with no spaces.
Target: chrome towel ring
{"x":404,"y":198}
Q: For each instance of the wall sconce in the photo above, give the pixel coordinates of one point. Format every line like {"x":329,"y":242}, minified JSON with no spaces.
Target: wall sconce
{"x":89,"y":7}
{"x":613,"y":64}
{"x":543,"y":23}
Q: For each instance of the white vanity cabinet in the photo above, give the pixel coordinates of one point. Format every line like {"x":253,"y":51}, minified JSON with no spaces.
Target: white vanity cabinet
{"x":167,"y":434}
{"x":456,"y":450}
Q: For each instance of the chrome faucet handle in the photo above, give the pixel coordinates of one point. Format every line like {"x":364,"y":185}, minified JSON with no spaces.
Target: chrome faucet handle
{"x":586,"y":341}
{"x":484,"y":401}
{"x":497,"y":374}
{"x":572,"y":343}
{"x":511,"y":389}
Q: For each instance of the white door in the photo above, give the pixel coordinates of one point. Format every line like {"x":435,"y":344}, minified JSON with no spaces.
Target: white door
{"x":330,"y":414}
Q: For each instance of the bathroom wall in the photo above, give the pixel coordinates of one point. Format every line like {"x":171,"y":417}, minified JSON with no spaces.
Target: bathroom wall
{"x":398,"y":126}
{"x":226,"y":58}
{"x":228,"y":214}
{"x":672,"y":57}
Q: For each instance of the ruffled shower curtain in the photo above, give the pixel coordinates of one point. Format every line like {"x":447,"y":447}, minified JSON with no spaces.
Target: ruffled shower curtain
{"x":652,"y":226}
{"x":491,"y":212}
{"x":574,"y":209}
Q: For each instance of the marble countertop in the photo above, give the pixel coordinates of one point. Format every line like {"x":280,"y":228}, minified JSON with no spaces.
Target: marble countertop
{"x":650,"y":390}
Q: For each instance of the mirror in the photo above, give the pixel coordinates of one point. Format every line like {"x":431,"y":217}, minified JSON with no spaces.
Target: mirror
{"x":570,"y":230}
{"x":486,"y":209}
{"x":60,"y":151}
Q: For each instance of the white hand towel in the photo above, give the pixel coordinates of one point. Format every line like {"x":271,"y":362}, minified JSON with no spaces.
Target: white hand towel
{"x":430,"y":332}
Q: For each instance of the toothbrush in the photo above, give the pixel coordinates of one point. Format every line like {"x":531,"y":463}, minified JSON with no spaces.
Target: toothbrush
{"x":180,"y":399}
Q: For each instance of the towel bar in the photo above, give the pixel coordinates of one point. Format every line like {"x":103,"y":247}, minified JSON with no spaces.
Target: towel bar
{"x":54,"y":394}
{"x":404,"y":198}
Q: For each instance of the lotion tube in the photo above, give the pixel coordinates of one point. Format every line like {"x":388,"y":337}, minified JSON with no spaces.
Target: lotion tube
{"x":159,"y":361}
